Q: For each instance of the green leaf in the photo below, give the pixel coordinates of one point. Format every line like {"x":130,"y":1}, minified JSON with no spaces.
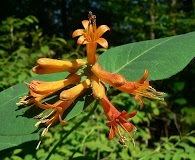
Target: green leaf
{"x":162,"y":57}
{"x":8,"y":141}
{"x":45,"y":49}
{"x":18,"y":127}
{"x":15,"y":128}
{"x":191,"y":139}
{"x":94,"y":145}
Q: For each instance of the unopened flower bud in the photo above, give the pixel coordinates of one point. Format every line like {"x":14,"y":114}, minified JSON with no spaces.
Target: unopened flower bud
{"x":112,"y":79}
{"x":97,"y":87}
{"x":42,"y":87}
{"x":74,"y":92}
{"x":47,"y":65}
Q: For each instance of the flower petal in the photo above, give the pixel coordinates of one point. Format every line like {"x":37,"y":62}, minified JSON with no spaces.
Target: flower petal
{"x":112,"y":133}
{"x":85,"y":23}
{"x":102,"y":42}
{"x":101,"y":30}
{"x":127,"y":126}
{"x":77,"y":32}
{"x":144,"y":77}
{"x":130,"y":115}
{"x":81,"y":40}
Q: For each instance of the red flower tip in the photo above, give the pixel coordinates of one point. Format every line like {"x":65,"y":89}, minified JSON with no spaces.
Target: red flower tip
{"x":117,"y":119}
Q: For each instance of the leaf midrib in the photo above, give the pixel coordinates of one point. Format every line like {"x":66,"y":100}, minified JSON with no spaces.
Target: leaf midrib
{"x":123,"y":66}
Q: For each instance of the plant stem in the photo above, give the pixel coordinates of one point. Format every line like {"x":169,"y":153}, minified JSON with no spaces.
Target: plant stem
{"x":70,"y":131}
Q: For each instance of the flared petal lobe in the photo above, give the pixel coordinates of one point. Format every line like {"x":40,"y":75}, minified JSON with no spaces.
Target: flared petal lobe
{"x":85,"y":24}
{"x":111,"y":133}
{"x":81,"y":40}
{"x":102,"y":42}
{"x":78,"y":32}
{"x":100,"y":31}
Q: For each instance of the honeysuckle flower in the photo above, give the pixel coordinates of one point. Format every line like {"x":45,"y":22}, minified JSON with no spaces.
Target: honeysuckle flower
{"x":47,"y":65}
{"x":141,"y":88}
{"x":40,"y":89}
{"x":57,"y":110}
{"x":55,"y":115}
{"x":67,"y":98}
{"x":98,"y":87}
{"x":115,"y":80}
{"x":117,"y":119}
{"x":91,"y":36}
{"x":73,"y":92}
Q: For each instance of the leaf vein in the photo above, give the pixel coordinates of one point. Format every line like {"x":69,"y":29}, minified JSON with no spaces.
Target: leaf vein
{"x":123,"y":66}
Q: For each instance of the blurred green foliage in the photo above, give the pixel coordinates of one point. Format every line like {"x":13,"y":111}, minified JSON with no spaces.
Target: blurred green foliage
{"x":165,"y":130}
{"x":21,"y":44}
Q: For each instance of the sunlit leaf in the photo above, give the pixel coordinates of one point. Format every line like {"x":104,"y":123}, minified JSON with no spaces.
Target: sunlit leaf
{"x":162,"y":57}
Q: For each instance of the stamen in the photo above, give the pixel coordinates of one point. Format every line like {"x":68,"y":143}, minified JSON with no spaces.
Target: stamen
{"x":39,"y":115}
{"x":149,"y":93}
{"x":92,"y":18}
{"x":45,"y":130}
{"x":38,"y":145}
{"x":123,"y":139}
{"x":25,"y":100}
{"x":27,"y":83}
{"x":42,"y":135}
{"x":41,"y":121}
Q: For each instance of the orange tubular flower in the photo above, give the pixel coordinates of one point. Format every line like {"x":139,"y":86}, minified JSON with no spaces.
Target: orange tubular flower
{"x":67,"y":98}
{"x":141,"y":88}
{"x":47,"y":65}
{"x":112,"y":79}
{"x":56,"y":113}
{"x":117,"y":118}
{"x":91,"y":37}
{"x":75,"y":91}
{"x":40,"y":89}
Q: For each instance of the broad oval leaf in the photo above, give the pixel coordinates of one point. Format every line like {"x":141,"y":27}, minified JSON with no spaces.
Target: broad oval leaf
{"x":162,"y":57}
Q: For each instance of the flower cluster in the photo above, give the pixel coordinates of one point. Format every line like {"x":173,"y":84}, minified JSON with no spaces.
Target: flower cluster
{"x":93,"y":76}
